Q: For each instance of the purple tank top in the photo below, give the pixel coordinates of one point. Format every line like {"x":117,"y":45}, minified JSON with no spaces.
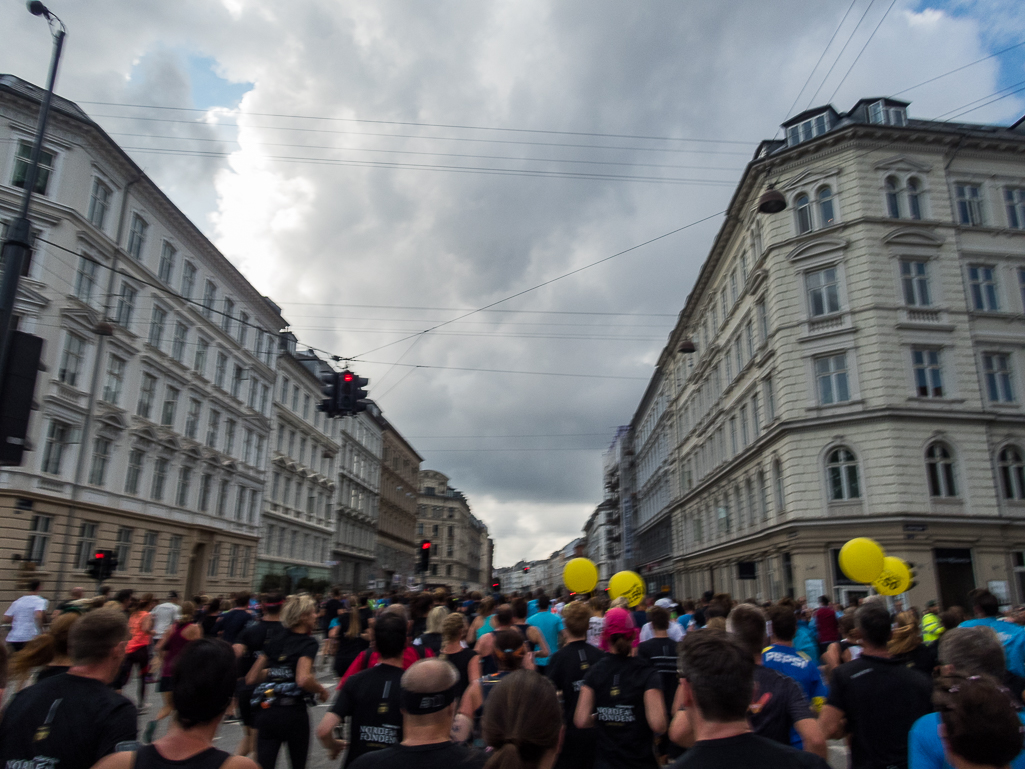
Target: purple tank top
{"x":173,"y":648}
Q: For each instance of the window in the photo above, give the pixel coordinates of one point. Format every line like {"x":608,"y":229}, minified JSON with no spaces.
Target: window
{"x":115,"y":380}
{"x":939,"y":463}
{"x":982,"y":284}
{"x":160,"y":468}
{"x":181,"y":335}
{"x":38,"y":539}
{"x":209,"y":299}
{"x":914,"y":280}
{"x":99,"y":204}
{"x":184,"y":482}
{"x":156,"y":326}
{"x":928,"y":373}
{"x":306,"y":406}
{"x":803,"y":211}
{"x":777,"y":482}
{"x":86,"y":545}
{"x":85,"y":279}
{"x":213,"y":427}
{"x":827,"y":213}
{"x":21,"y":166}
{"x":174,"y":554}
{"x":228,"y":316}
{"x":101,"y":458}
{"x":883,"y":114}
{"x":71,"y":360}
{"x":969,"y":204}
{"x":915,"y":197}
{"x":137,"y":236}
{"x":213,"y":566}
{"x":125,"y":305}
{"x":1014,"y":199}
{"x":823,"y":292}
{"x":233,"y":560}
{"x":167,"y":413}
{"x":763,"y":322}
{"x":147,"y":393}
{"x":831,"y":379}
{"x":221,"y":371}
{"x":996,"y":368}
{"x":123,"y":547}
{"x":202,"y":347}
{"x":744,"y":436}
{"x":1012,"y":473}
{"x":247,"y":446}
{"x":229,"y":436}
{"x":243,"y":328}
{"x":295,"y":398}
{"x":135,"y":459}
{"x":192,"y":418}
{"x":148,"y":553}
{"x":237,"y":375}
{"x":892,"y":187}
{"x":57,"y":438}
{"x":808,"y":129}
{"x":188,"y":279}
{"x":205,"y":481}
{"x":166,"y":266}
{"x":246,"y":557}
{"x":842,"y":475}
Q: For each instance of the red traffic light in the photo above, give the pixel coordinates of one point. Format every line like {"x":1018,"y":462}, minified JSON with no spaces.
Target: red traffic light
{"x":425,"y":546}
{"x":348,"y":376}
{"x":99,"y":555}
{"x":526,"y":569}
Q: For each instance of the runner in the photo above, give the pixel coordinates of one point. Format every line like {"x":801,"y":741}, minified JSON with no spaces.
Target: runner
{"x":466,"y":661}
{"x":482,"y":620}
{"x":351,"y":634}
{"x":431,"y":637}
{"x":249,"y":643}
{"x":622,"y":696}
{"x":202,"y":686}
{"x":566,"y":670}
{"x":521,"y":722}
{"x":137,"y":653}
{"x":536,"y":643}
{"x":170,"y":647}
{"x":660,"y":652}
{"x":26,"y":617}
{"x":781,"y":656}
{"x":987,"y":613}
{"x":510,"y":652}
{"x":48,"y":651}
{"x":549,"y":625}
{"x":284,"y":677}
{"x":371,"y":699}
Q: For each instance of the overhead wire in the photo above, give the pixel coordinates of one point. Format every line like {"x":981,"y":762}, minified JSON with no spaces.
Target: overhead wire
{"x":856,"y":58}
{"x":821,"y":57}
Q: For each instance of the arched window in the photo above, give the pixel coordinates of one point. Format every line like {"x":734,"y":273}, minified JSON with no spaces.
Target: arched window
{"x":842,"y":475}
{"x":1012,"y":473}
{"x":892,"y":200}
{"x":914,"y":190}
{"x":826,"y":212}
{"x":803,"y":205}
{"x":939,"y":462}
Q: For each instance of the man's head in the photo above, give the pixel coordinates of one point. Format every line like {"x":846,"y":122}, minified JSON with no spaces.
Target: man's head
{"x":985,"y":604}
{"x":504,"y":616}
{"x":241,"y":600}
{"x":784,"y":622}
{"x":172,"y":596}
{"x":972,"y":651}
{"x":77,"y":592}
{"x":747,"y":624}
{"x":98,"y":638}
{"x":823,"y":600}
{"x":519,"y":608}
{"x":576,"y":616}
{"x":931,"y":607}
{"x":659,"y":618}
{"x":34,"y":585}
{"x":429,"y":694}
{"x":390,"y":636}
{"x":717,"y":673}
{"x":272,"y":603}
{"x":124,"y":596}
{"x":203,"y":682}
{"x":543,"y":602}
{"x":873,"y":621}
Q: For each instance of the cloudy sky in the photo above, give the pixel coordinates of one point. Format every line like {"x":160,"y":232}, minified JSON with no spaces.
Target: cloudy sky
{"x":380,"y":168}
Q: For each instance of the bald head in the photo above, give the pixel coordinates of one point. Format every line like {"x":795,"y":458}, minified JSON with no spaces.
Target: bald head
{"x":429,"y":676}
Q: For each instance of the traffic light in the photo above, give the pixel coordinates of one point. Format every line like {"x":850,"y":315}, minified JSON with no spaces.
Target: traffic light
{"x":496,"y":585}
{"x":359,"y":382}
{"x":526,"y":569}
{"x":425,"y":555}
{"x":329,"y":381}
{"x":102,"y":564}
{"x":351,"y":393}
{"x":16,"y":395}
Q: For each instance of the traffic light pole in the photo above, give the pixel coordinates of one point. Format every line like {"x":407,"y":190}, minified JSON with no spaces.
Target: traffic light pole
{"x":19,"y":239}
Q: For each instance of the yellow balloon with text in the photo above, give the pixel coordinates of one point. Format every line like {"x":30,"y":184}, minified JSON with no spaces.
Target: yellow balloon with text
{"x":895,"y":577}
{"x":628,"y":584}
{"x":861,"y":559}
{"x":580,"y":575}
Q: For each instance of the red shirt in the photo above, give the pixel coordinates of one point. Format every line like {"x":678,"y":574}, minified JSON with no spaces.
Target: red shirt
{"x":361,"y":663}
{"x":826,"y":624}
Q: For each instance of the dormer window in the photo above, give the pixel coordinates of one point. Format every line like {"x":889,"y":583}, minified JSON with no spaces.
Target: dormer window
{"x":882,"y":114}
{"x":808,"y":129}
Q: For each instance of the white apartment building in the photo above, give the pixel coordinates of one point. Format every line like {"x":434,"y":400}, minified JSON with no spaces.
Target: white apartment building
{"x":859,"y":367}
{"x":154,"y":410}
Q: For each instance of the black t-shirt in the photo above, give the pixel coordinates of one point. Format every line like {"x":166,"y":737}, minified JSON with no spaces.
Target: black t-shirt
{"x":461,"y":660}
{"x":373,"y":700}
{"x":747,"y":750}
{"x":661,"y":653}
{"x":230,"y":624}
{"x":65,"y":722}
{"x":778,"y":704}
{"x":567,"y":669}
{"x":437,"y":755}
{"x":331,"y":607}
{"x":922,"y":658}
{"x":881,"y":699}
{"x":254,"y":638}
{"x":284,"y":652}
{"x":619,"y":684}
{"x":346,"y":648}
{"x":51,"y":670}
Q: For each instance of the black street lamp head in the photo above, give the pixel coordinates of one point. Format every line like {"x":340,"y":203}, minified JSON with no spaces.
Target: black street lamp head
{"x":36,"y":8}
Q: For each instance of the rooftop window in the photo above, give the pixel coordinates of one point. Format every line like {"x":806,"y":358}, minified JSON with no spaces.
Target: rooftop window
{"x":808,"y":129}
{"x":882,"y":114}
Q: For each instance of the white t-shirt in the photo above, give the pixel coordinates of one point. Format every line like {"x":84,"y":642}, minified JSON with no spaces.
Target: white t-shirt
{"x":595,"y":626}
{"x":164,"y":615}
{"x":23,"y":617}
{"x":675,"y":632}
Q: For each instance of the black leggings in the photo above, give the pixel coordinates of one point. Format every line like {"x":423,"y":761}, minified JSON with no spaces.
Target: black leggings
{"x":138,"y":657}
{"x":282,"y":723}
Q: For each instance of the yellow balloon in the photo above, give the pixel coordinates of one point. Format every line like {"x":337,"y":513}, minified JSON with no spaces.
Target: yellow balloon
{"x":629,"y":584}
{"x":895,"y":578}
{"x":580,"y":575}
{"x":861,"y":559}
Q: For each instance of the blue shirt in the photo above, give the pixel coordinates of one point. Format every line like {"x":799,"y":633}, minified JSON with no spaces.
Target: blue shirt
{"x":1011,"y":636}
{"x":925,"y":748}
{"x":805,"y":642}
{"x":531,"y":607}
{"x":799,"y":666}
{"x":549,"y":624}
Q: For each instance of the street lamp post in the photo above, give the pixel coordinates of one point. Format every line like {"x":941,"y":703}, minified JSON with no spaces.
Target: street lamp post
{"x":18,"y":243}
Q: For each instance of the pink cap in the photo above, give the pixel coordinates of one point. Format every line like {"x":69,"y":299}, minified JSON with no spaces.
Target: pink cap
{"x":618,"y":621}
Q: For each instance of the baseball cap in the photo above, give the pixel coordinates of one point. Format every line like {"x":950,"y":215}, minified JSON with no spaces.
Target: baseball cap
{"x":666,"y":603}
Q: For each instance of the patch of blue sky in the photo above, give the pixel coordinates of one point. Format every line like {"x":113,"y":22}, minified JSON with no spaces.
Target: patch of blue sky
{"x":209,"y":89}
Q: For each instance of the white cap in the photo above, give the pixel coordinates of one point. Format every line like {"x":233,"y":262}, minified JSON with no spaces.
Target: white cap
{"x":666,"y":603}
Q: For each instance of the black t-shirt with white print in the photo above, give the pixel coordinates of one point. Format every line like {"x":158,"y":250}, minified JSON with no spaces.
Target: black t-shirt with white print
{"x":372,"y":699}
{"x":437,"y":755}
{"x":567,"y":669}
{"x":619,"y":684}
{"x":284,"y":652}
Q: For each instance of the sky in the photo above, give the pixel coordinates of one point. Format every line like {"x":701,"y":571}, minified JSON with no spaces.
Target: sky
{"x":381,"y":168}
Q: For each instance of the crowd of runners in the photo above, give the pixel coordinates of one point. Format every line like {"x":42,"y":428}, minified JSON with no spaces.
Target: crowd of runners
{"x":431,"y":679}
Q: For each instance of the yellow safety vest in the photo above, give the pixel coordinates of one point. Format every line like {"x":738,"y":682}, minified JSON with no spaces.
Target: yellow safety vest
{"x":932,"y":628}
